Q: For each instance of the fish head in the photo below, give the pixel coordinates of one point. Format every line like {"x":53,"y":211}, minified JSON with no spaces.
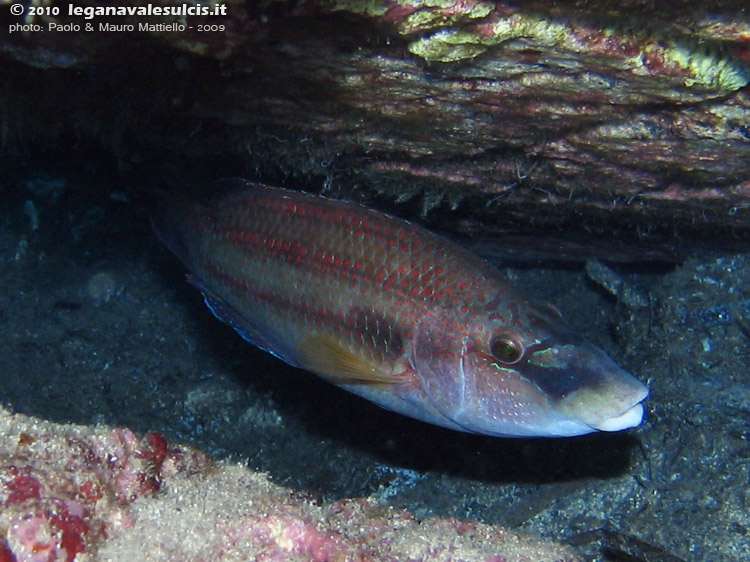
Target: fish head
{"x":522,"y":371}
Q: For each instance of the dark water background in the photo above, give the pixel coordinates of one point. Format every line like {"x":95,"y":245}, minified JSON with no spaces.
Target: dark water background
{"x":99,"y":326}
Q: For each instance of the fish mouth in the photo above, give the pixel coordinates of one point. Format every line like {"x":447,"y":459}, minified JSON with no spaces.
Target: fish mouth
{"x":631,"y":417}
{"x":612,"y":409}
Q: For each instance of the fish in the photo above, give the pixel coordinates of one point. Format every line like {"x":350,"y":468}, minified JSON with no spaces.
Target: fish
{"x":394,"y":313}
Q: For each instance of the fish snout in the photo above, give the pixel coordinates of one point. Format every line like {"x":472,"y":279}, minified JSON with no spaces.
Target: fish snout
{"x":613,"y":404}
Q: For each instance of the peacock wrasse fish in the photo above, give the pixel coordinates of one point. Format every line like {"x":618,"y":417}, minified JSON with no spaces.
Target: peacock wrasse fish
{"x":394,"y":313}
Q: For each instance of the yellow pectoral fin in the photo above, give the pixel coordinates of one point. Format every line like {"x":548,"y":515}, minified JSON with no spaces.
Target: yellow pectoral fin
{"x":327,"y":357}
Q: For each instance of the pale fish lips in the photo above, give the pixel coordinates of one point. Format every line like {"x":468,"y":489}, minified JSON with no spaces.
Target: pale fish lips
{"x":630,"y":418}
{"x":613,"y":406}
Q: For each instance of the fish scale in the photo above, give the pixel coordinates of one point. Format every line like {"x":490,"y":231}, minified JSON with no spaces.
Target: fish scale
{"x":281,"y":242}
{"x":312,"y":243}
{"x":393,"y":313}
{"x":391,"y":258}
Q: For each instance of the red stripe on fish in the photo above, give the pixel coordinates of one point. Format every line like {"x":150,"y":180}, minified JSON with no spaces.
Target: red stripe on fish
{"x":406,"y":280}
{"x":373,"y":328}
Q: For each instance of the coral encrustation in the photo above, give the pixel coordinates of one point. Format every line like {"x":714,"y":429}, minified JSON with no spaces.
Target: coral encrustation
{"x":75,"y":493}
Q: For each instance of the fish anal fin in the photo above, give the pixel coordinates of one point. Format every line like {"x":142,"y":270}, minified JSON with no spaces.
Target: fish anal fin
{"x":324,"y":355}
{"x":227,"y":314}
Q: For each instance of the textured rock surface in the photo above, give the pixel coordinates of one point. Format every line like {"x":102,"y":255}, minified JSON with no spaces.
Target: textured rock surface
{"x":76,"y":493}
{"x":575,"y":116}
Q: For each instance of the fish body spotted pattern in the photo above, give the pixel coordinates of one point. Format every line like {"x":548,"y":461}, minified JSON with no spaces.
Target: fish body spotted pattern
{"x":394,"y":313}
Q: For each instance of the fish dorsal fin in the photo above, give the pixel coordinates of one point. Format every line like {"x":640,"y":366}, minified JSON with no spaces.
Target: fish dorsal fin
{"x":324,"y":355}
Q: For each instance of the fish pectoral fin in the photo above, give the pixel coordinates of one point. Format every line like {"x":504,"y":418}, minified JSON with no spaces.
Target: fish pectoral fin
{"x":328,"y":358}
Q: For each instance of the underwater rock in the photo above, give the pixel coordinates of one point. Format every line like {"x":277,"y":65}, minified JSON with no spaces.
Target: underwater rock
{"x":630,"y":118}
{"x":96,"y":493}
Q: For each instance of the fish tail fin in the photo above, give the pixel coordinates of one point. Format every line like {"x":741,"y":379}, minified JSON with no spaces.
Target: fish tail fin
{"x":172,"y":215}
{"x":176,"y":215}
{"x":167,"y":223}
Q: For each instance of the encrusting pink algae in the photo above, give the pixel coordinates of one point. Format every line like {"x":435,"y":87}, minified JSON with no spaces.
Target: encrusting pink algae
{"x":75,"y":493}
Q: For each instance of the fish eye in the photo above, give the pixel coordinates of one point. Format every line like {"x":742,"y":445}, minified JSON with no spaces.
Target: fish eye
{"x":506,"y":348}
